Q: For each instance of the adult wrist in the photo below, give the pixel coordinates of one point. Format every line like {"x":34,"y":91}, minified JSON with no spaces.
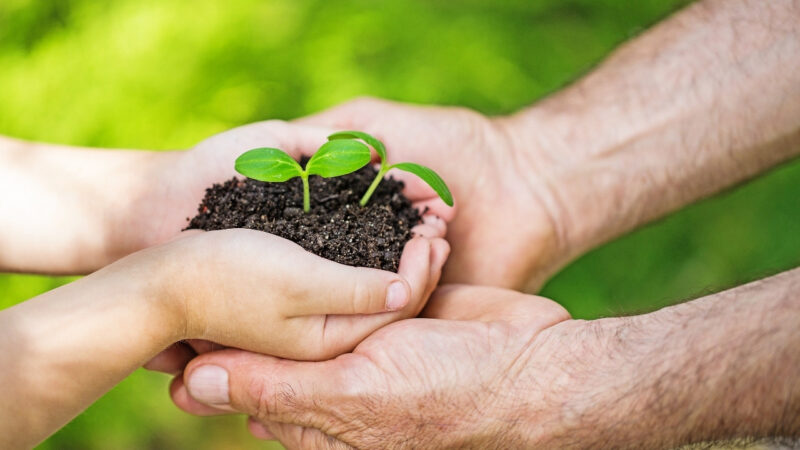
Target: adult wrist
{"x":563,"y":177}
{"x":717,"y":368}
{"x":577,"y":389}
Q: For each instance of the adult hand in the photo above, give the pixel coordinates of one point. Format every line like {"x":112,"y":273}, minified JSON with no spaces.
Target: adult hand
{"x":506,"y":210}
{"x":471,"y":377}
{"x":490,"y":368}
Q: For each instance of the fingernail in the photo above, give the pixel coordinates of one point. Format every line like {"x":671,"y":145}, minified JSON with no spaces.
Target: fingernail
{"x":396,"y":296}
{"x":209,"y":385}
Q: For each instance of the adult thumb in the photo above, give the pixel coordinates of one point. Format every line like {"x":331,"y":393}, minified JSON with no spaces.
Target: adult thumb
{"x":265,"y":387}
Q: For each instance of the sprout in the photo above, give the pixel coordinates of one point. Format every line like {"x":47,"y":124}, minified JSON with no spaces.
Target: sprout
{"x":333,"y":159}
{"x":427,"y":175}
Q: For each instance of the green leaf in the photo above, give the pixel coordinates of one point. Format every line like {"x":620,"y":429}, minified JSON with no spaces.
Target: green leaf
{"x":338,"y":157}
{"x":430,"y":177}
{"x":368,"y":138}
{"x":268,"y":164}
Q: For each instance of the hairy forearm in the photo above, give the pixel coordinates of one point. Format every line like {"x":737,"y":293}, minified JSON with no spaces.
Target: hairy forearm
{"x":700,"y":102}
{"x":721,"y":367}
{"x":64,"y":207}
{"x":61,"y":351}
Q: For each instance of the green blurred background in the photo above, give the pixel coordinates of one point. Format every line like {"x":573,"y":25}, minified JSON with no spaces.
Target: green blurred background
{"x":162,"y":74}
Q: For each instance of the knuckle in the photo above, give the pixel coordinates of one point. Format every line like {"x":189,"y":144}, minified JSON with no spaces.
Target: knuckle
{"x":272,"y":401}
{"x":257,"y":392}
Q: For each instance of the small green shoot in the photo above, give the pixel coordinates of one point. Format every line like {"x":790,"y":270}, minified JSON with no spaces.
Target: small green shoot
{"x":427,"y":175}
{"x":333,"y":159}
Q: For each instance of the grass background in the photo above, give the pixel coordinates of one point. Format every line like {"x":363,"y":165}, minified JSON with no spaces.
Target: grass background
{"x":164,"y":74}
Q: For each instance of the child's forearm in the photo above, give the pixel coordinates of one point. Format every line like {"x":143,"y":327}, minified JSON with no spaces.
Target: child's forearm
{"x":64,"y":207}
{"x":61,"y":351}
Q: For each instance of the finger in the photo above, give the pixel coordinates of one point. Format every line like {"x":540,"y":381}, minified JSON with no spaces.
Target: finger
{"x":171,"y":360}
{"x":431,"y":227}
{"x":341,"y":289}
{"x":415,"y":266}
{"x":439,"y":254}
{"x":343,"y":333}
{"x":273,"y":389}
{"x":436,"y":222}
{"x":338,"y":334}
{"x":425,"y":231}
{"x":463,"y":302}
{"x":436,"y":207}
{"x":180,"y":396}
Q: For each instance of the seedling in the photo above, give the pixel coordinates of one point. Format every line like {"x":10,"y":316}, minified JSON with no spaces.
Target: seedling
{"x":427,"y":175}
{"x":333,"y":159}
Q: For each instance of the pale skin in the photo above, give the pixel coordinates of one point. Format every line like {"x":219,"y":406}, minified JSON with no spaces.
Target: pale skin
{"x":108,"y":204}
{"x":705,"y":100}
{"x":246,"y":289}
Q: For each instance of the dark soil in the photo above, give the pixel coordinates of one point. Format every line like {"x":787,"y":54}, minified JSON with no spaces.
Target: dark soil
{"x":337,"y":227}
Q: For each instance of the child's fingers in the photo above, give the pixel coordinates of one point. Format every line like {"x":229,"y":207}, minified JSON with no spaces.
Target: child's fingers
{"x":431,"y":227}
{"x":351,"y":290}
{"x":436,"y":222}
{"x":344,"y":332}
{"x":414,"y":266}
{"x":436,"y":207}
{"x":440,"y":251}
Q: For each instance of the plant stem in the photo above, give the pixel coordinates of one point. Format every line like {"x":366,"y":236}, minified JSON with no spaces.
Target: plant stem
{"x":374,"y":184}
{"x":306,"y":193}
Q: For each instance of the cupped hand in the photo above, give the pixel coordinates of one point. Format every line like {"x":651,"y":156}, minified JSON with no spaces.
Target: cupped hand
{"x":485,"y":368}
{"x":177,"y":180}
{"x":253,"y":290}
{"x":506,"y":231}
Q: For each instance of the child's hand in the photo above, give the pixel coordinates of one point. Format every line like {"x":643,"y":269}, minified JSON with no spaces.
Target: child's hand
{"x":176,"y":181}
{"x":256,"y":291}
{"x":238,"y":288}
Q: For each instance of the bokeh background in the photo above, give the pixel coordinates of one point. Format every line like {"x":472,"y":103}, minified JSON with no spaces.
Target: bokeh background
{"x":163,"y":74}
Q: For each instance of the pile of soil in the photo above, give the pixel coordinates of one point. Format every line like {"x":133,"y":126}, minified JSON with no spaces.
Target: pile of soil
{"x":336,"y":228}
